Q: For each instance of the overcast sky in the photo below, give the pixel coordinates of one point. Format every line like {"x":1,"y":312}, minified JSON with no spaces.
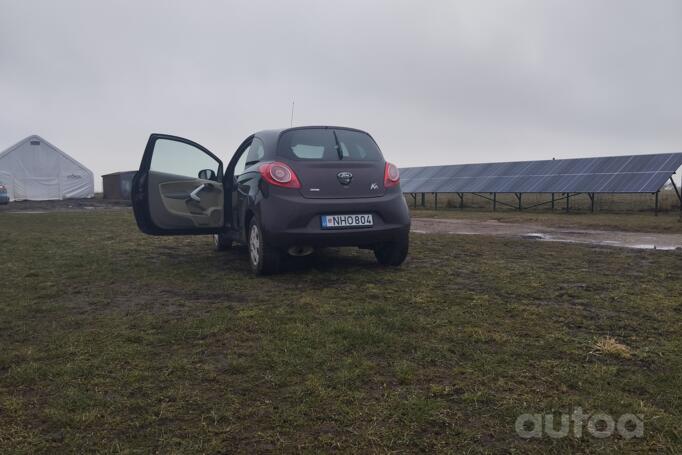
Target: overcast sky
{"x":435,"y":82}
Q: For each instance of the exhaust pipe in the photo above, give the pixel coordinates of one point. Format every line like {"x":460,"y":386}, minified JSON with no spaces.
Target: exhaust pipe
{"x":299,"y":250}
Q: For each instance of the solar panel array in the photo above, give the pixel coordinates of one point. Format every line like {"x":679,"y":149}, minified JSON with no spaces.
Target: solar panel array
{"x":616,"y":174}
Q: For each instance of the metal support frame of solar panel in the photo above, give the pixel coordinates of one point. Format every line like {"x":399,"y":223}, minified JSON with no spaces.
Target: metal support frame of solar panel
{"x":617,"y":174}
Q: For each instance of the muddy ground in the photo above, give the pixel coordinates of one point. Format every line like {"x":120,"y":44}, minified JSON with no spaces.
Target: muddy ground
{"x":536,"y":231}
{"x":531,"y":230}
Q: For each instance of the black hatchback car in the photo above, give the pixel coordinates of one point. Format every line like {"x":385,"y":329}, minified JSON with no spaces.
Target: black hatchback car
{"x":284,"y":191}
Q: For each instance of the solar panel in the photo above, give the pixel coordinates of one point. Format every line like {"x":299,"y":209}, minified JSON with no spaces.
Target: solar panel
{"x":615,"y":174}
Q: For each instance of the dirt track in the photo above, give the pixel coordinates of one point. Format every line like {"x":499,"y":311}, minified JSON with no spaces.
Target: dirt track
{"x":544,"y":233}
{"x":531,"y":231}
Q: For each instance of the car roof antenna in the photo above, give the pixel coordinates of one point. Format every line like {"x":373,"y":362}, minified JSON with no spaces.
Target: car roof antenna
{"x":292,"y":114}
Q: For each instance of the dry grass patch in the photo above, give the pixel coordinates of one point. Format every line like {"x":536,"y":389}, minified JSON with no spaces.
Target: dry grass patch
{"x":610,"y":346}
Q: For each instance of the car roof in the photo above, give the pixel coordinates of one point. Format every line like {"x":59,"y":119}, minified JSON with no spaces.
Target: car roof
{"x":270,"y":137}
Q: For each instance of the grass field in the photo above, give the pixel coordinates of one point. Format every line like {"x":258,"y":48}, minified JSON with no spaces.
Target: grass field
{"x":115,"y":342}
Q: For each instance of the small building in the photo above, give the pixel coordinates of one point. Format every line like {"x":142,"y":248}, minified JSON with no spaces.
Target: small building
{"x":118,"y":185}
{"x":35,"y":170}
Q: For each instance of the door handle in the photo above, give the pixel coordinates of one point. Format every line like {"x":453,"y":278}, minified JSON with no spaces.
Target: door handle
{"x":194,"y":195}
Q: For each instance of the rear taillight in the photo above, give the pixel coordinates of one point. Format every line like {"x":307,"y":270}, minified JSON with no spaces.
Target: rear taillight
{"x":279,"y":174}
{"x":391,"y":175}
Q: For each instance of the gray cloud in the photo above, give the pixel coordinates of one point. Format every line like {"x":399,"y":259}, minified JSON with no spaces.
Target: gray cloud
{"x":434,"y":82}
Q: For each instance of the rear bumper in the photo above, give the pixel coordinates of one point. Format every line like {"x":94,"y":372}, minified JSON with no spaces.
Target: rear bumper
{"x":288,"y":219}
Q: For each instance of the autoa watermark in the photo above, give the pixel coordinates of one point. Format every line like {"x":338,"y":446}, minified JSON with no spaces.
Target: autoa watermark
{"x":598,"y":425}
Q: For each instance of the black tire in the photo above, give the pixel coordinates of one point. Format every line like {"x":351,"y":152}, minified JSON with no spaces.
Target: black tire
{"x":221,"y":242}
{"x":264,"y":258}
{"x":392,"y":253}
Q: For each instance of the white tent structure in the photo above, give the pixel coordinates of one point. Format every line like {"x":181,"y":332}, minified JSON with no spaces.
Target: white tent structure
{"x":35,"y":170}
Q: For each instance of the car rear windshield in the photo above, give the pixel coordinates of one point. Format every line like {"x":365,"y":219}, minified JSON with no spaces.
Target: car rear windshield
{"x":321,"y":144}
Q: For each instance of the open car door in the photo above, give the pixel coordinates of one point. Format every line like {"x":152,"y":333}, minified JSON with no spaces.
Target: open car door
{"x":178,"y":189}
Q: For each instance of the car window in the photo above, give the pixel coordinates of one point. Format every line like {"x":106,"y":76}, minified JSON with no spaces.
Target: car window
{"x":357,"y":146}
{"x":308,"y":144}
{"x":255,"y":153}
{"x":180,"y":158}
{"x":308,"y":151}
{"x":241,"y":162}
{"x":321,"y":144}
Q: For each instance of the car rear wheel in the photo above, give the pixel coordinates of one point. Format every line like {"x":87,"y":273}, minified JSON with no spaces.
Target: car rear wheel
{"x":392,"y":253}
{"x":221,"y":242}
{"x":264,"y":258}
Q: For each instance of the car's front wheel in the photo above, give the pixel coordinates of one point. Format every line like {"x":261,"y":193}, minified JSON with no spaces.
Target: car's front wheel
{"x":392,"y":253}
{"x":264,"y":258}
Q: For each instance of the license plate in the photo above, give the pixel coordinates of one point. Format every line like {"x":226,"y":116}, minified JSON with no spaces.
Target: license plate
{"x":345,"y":221}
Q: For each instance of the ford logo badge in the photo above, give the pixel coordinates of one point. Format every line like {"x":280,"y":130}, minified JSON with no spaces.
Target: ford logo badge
{"x":344,"y":177}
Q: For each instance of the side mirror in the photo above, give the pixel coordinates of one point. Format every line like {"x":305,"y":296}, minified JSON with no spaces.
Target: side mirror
{"x":207,"y":174}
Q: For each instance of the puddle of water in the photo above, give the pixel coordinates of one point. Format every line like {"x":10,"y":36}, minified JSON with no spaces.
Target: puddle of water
{"x":535,"y":236}
{"x":652,"y":247}
{"x":614,"y":243}
{"x":645,"y":246}
{"x":632,"y":240}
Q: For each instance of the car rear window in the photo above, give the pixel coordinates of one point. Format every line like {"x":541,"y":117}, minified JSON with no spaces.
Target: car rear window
{"x":321,"y":144}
